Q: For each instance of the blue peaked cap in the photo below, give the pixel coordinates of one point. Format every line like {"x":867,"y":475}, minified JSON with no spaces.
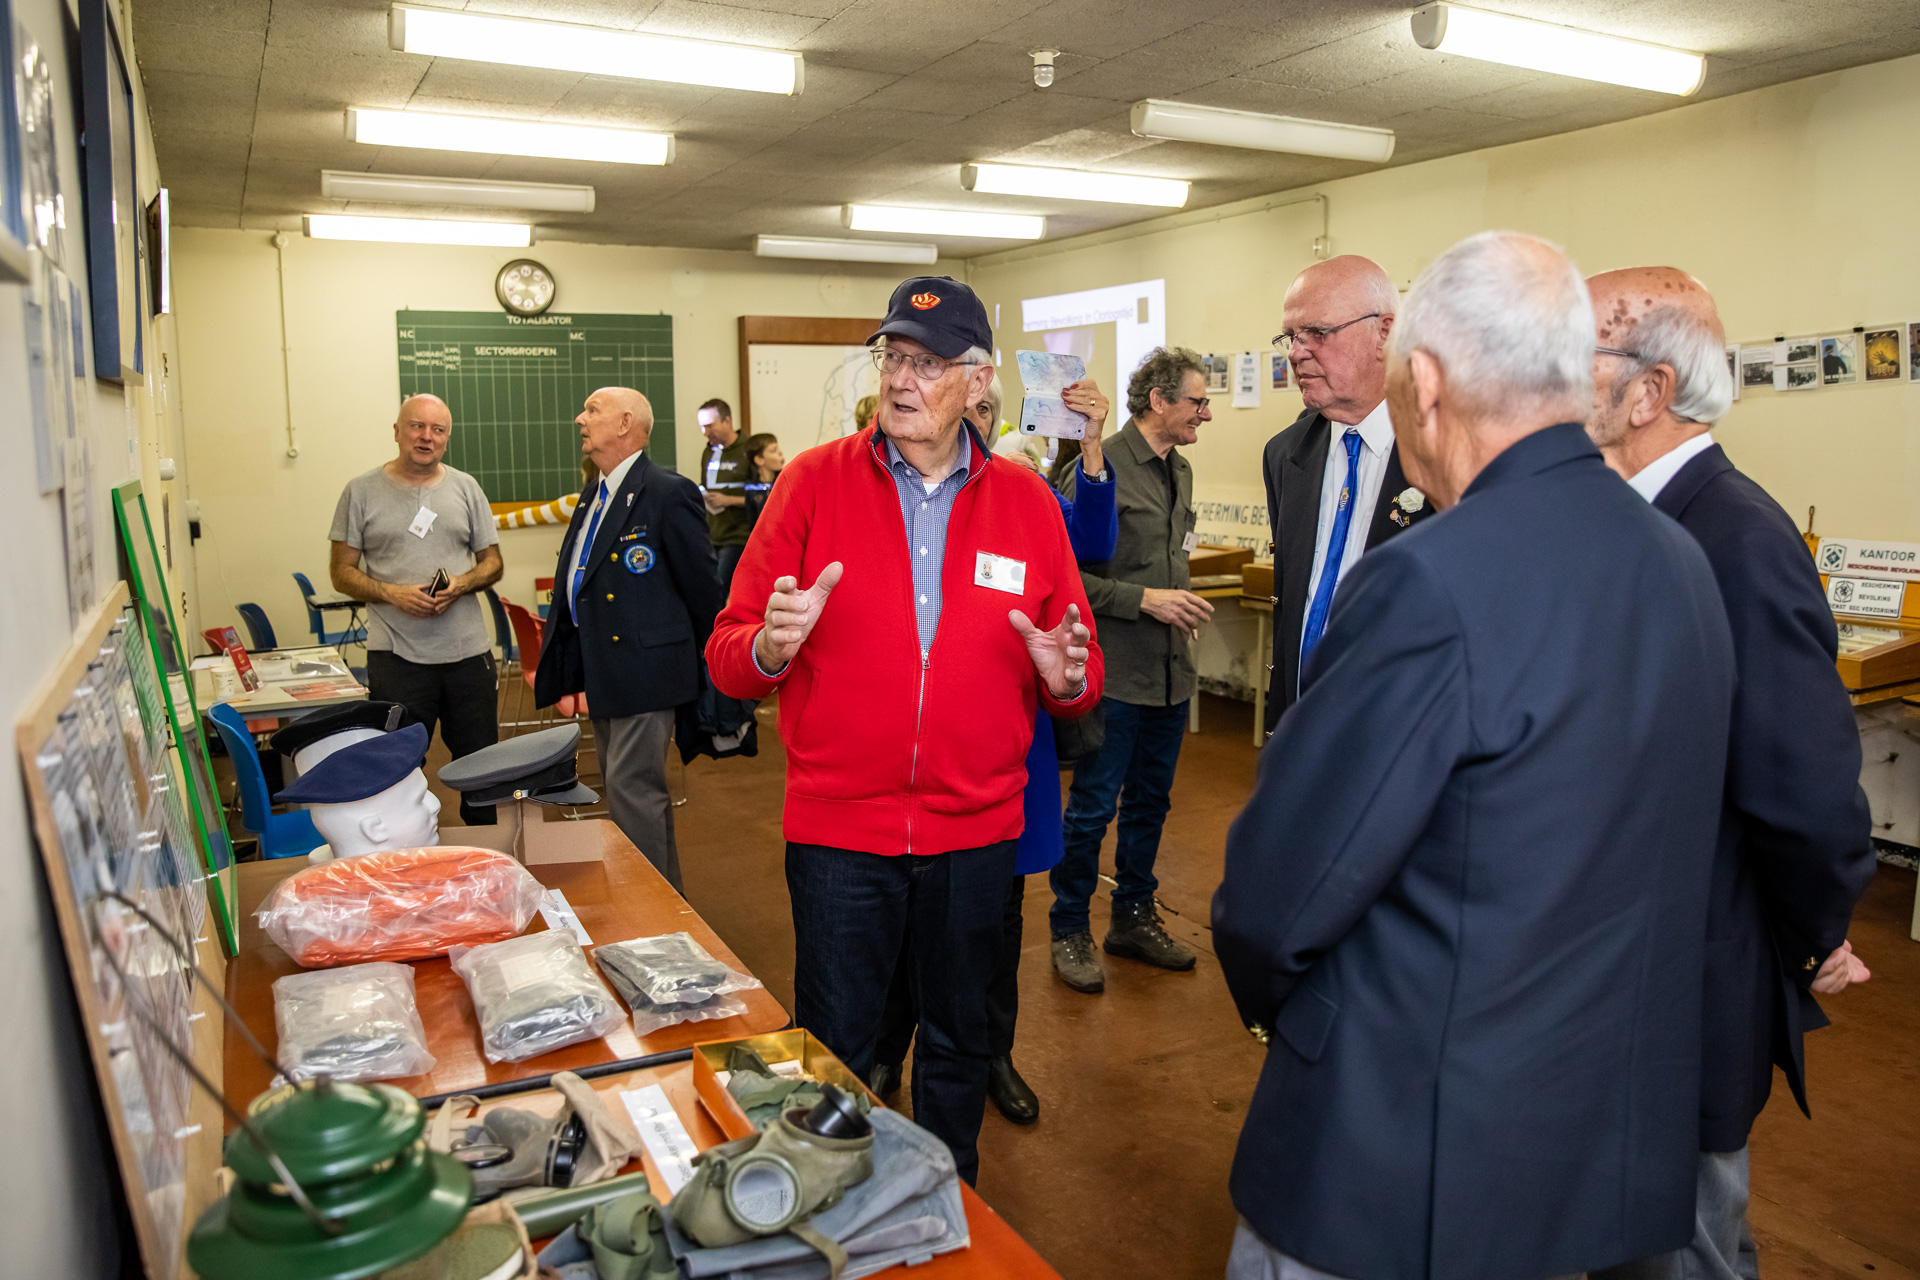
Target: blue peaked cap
{"x":361,"y":770}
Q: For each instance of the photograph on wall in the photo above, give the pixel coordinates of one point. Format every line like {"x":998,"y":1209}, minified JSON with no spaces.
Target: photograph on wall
{"x":1278,"y":372}
{"x":1756,"y":366}
{"x":1219,"y":373}
{"x":1733,"y":367}
{"x":1882,"y":354}
{"x":1913,"y":351}
{"x":46,"y":208}
{"x":1840,"y":359}
{"x":1796,"y":364}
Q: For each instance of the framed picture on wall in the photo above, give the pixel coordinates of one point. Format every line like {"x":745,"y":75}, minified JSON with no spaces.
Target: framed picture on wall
{"x":115,"y":218}
{"x":1882,"y":359}
{"x":13,"y":176}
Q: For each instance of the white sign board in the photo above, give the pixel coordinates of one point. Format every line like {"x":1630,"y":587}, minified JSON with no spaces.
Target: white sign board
{"x":1138,"y":313}
{"x":1865,"y":597}
{"x":1858,"y":558}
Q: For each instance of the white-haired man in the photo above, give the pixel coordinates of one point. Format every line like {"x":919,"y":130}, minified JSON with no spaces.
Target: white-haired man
{"x":1794,"y":849}
{"x":1469,"y":891}
{"x":394,"y":528}
{"x":1335,"y":486}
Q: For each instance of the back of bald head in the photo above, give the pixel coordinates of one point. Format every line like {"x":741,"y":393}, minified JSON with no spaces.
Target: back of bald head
{"x":1664,"y":315}
{"x":423,"y":406}
{"x":1351,"y":279}
{"x":627,"y":400}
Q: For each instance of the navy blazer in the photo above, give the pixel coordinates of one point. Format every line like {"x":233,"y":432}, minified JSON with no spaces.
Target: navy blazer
{"x":1295,"y":464}
{"x":646,"y":606}
{"x":1795,"y":849}
{"x":1471,"y":882}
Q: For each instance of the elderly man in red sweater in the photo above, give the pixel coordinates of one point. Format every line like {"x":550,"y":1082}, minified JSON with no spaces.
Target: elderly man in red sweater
{"x":944,"y":608}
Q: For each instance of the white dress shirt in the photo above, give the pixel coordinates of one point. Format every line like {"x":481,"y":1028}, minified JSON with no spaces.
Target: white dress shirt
{"x":613,"y":479}
{"x":1376,"y":443}
{"x":1652,"y":478}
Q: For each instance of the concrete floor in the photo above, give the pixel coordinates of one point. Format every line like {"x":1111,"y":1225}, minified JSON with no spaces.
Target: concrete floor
{"x":1143,"y":1088}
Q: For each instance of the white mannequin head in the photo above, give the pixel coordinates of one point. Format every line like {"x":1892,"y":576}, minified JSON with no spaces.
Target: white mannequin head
{"x":404,"y":816}
{"x":314,"y":752}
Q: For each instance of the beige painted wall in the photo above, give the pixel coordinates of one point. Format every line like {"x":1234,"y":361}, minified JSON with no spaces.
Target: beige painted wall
{"x":265,"y":514}
{"x":1786,"y":201}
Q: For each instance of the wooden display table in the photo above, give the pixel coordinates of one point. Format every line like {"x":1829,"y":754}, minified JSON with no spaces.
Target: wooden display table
{"x":617,"y":897}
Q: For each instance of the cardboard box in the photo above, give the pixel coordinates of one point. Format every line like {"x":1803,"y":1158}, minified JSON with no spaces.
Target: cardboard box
{"x":1256,"y":580}
{"x":797,"y":1045}
{"x":1209,"y":559}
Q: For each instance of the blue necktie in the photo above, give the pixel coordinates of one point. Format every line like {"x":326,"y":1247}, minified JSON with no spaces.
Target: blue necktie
{"x":586,"y":547}
{"x":1336,"y":552}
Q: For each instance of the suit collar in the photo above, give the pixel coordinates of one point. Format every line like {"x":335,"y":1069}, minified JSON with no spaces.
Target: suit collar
{"x":1690,"y":479}
{"x":1532,"y":454}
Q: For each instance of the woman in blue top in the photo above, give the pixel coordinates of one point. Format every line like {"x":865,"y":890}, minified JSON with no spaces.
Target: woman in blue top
{"x":1093,"y":526}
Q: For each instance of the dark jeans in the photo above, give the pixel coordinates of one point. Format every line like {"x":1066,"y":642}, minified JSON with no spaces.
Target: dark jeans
{"x":462,"y":697}
{"x":851,"y":912}
{"x":725,"y":561}
{"x":1134,"y":767}
{"x":1003,"y":990}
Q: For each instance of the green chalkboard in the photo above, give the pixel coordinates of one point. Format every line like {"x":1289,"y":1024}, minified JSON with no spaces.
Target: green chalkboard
{"x":516,"y":383}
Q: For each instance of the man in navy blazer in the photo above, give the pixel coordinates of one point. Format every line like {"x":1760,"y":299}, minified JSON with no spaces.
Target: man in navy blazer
{"x":634,"y":598}
{"x":1794,"y":850}
{"x":1468,"y":896}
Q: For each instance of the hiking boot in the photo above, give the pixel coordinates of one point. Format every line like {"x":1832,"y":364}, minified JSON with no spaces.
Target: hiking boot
{"x":1074,"y":961}
{"x":1136,"y":933}
{"x":1009,"y":1092}
{"x":884,"y":1079}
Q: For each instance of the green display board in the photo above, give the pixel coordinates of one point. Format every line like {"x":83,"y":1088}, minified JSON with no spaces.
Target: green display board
{"x":515,"y":385}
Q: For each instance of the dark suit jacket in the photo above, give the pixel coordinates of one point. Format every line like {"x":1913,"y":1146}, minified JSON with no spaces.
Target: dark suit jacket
{"x":1795,"y":848}
{"x":1471,"y":884}
{"x":646,"y":606}
{"x":1295,"y":463}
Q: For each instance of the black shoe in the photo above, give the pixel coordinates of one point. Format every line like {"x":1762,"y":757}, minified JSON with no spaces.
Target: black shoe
{"x":1010,"y":1093}
{"x":1136,"y":933}
{"x":884,"y":1079}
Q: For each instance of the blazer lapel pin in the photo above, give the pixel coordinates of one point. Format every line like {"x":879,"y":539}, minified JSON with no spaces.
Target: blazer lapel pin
{"x":1409,"y":504}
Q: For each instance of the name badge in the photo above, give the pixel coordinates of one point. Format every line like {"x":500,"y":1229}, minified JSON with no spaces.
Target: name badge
{"x":1000,"y":573}
{"x":422,"y":521}
{"x":1188,"y":543}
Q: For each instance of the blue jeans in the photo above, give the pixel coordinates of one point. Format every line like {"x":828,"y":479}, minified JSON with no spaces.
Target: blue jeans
{"x":850,"y":913}
{"x":1134,"y":767}
{"x":1722,"y":1247}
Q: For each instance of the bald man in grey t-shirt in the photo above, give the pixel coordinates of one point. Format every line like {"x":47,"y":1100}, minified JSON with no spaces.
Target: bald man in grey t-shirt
{"x":395,"y":526}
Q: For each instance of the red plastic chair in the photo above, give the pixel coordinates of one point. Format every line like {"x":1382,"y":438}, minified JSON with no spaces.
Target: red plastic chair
{"x":528,"y":632}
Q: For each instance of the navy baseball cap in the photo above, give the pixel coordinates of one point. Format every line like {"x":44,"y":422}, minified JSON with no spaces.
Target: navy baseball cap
{"x":939,"y":313}
{"x":361,"y":770}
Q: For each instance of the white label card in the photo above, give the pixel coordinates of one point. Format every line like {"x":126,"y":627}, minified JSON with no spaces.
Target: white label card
{"x":1000,"y":573}
{"x":422,"y":521}
{"x":1857,"y":557}
{"x":1188,"y":543}
{"x":1865,"y":597}
{"x":666,"y":1139}
{"x":559,"y":914}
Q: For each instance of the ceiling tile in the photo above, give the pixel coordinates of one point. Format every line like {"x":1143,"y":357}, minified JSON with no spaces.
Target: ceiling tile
{"x":761,"y":28}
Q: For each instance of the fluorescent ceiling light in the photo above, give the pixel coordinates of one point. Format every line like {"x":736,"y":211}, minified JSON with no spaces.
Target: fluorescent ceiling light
{"x":1563,"y":51}
{"x":943,"y":222}
{"x":1072,"y":184}
{"x":844,"y":250}
{"x":397,"y":188}
{"x":491,"y":135}
{"x":1184,"y":122}
{"x":600,"y":51}
{"x":334,"y":226}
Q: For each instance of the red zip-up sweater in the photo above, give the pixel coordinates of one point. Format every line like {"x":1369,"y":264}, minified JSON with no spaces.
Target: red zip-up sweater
{"x":886,"y":753}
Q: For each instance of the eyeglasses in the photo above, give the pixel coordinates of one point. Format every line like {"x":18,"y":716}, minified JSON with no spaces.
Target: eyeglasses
{"x":1198,"y":402}
{"x":1315,"y":335}
{"x":1624,"y":355}
{"x":927,"y":368}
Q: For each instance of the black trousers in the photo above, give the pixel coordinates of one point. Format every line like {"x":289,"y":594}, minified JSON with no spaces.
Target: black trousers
{"x":1003,"y":990}
{"x":851,"y":913}
{"x":461,"y":697}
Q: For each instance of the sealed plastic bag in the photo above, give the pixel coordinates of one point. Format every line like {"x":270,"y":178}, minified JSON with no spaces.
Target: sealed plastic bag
{"x":405,"y":904}
{"x":356,"y":1023}
{"x":671,"y":979}
{"x":534,"y":994}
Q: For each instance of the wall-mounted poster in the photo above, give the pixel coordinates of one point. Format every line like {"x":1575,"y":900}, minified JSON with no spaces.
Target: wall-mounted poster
{"x":115,"y":217}
{"x":1279,"y":370}
{"x":1883,"y":354}
{"x":1756,"y":366}
{"x":1840,"y":359}
{"x":1796,"y":364}
{"x":13,"y":178}
{"x":1733,"y":367}
{"x":46,"y":208}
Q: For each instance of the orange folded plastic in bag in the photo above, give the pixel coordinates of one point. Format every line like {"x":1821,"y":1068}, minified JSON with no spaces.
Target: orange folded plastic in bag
{"x":406,"y":904}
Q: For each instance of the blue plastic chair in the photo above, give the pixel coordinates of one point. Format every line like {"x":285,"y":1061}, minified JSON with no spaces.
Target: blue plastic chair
{"x":259,"y":629}
{"x":282,"y":835}
{"x":502,"y":629}
{"x":355,"y":635}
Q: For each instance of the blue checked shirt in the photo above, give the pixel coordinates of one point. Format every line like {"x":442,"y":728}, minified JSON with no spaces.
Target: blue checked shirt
{"x":926,"y":516}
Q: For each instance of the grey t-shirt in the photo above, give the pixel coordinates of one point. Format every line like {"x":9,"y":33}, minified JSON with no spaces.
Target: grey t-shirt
{"x":375,"y":517}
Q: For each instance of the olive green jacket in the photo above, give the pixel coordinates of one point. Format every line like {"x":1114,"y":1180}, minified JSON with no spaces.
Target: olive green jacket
{"x":1149,"y":662}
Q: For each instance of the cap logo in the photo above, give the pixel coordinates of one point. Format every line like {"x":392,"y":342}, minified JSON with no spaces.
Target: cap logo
{"x":925,"y":301}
